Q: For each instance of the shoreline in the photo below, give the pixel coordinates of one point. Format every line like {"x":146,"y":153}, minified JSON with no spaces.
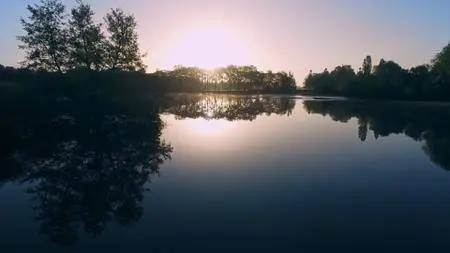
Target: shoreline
{"x":324,"y":97}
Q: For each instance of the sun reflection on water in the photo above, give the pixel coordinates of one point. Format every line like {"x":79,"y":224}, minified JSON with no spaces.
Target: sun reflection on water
{"x":207,"y":127}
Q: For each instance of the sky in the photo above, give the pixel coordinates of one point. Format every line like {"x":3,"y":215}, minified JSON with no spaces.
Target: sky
{"x":288,"y":35}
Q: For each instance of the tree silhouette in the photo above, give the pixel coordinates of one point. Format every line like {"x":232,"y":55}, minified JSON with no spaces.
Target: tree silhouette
{"x":388,"y":80}
{"x":441,"y":63}
{"x":86,"y":39}
{"x":245,"y":79}
{"x":367,"y":66}
{"x":52,"y":43}
{"x":45,"y":41}
{"x":122,"y":45}
{"x":441,"y":71}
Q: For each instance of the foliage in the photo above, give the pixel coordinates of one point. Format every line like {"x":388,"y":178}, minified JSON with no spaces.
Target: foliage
{"x":53,"y":43}
{"x":45,"y":39}
{"x":387,"y":80}
{"x":246,"y":79}
{"x":441,"y":62}
{"x":86,"y":41}
{"x":122,"y":46}
{"x":441,"y":71}
{"x":367,"y":66}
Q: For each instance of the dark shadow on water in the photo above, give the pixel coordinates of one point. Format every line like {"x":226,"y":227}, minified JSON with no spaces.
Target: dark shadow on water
{"x":429,"y":124}
{"x":85,"y":161}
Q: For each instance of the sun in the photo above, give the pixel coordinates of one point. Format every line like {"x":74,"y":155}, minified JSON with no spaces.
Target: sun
{"x":209,"y":47}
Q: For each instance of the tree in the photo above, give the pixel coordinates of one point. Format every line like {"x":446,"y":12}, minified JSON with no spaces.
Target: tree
{"x":441,"y":63}
{"x":441,"y":72}
{"x":367,"y":66}
{"x":86,"y":39}
{"x":122,"y":46}
{"x":45,"y":41}
{"x":287,"y":82}
{"x":390,"y":73}
{"x":342,"y":76}
{"x":420,"y":82}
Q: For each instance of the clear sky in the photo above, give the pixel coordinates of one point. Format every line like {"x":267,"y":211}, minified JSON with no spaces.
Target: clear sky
{"x":291,"y":35}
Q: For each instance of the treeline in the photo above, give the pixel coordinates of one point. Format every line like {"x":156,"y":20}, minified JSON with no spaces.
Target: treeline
{"x":230,"y":78}
{"x":386,"y":80}
{"x":240,"y":79}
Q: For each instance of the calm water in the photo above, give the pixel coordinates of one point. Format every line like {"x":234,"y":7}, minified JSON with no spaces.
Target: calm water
{"x":246,"y":174}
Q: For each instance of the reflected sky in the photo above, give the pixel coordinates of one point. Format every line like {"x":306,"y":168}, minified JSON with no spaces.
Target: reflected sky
{"x":267,"y":136}
{"x":303,"y":182}
{"x":296,"y":175}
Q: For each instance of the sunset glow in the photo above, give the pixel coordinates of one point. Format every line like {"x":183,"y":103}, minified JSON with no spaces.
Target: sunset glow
{"x":208,"y":47}
{"x":296,"y":36}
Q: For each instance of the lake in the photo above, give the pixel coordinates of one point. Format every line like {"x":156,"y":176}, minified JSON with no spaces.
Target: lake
{"x":230,"y":173}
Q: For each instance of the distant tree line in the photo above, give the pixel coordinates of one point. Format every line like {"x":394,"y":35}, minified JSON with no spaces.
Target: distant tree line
{"x":239,"y":79}
{"x":386,"y":80}
{"x":230,"y":78}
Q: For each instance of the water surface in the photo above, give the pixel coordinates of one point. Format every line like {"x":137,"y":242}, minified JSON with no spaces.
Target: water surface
{"x":216,"y":173}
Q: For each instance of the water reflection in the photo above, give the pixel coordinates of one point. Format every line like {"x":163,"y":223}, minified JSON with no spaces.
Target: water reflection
{"x":421,"y":122}
{"x":83,"y":168}
{"x":86,"y":171}
{"x":229,"y":107}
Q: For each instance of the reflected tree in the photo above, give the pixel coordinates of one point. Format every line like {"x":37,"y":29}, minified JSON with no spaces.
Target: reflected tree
{"x":229,"y":107}
{"x":85,"y":159}
{"x":427,"y":123}
{"x":437,"y":148}
{"x":362,"y":129}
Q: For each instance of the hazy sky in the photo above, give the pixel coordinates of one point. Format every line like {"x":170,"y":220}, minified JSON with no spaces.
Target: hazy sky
{"x":286,"y":35}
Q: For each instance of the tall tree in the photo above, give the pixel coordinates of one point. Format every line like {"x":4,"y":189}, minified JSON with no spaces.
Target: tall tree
{"x":86,"y":38}
{"x":122,"y":47}
{"x":441,"y":63}
{"x":45,"y":39}
{"x":367,"y":66}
